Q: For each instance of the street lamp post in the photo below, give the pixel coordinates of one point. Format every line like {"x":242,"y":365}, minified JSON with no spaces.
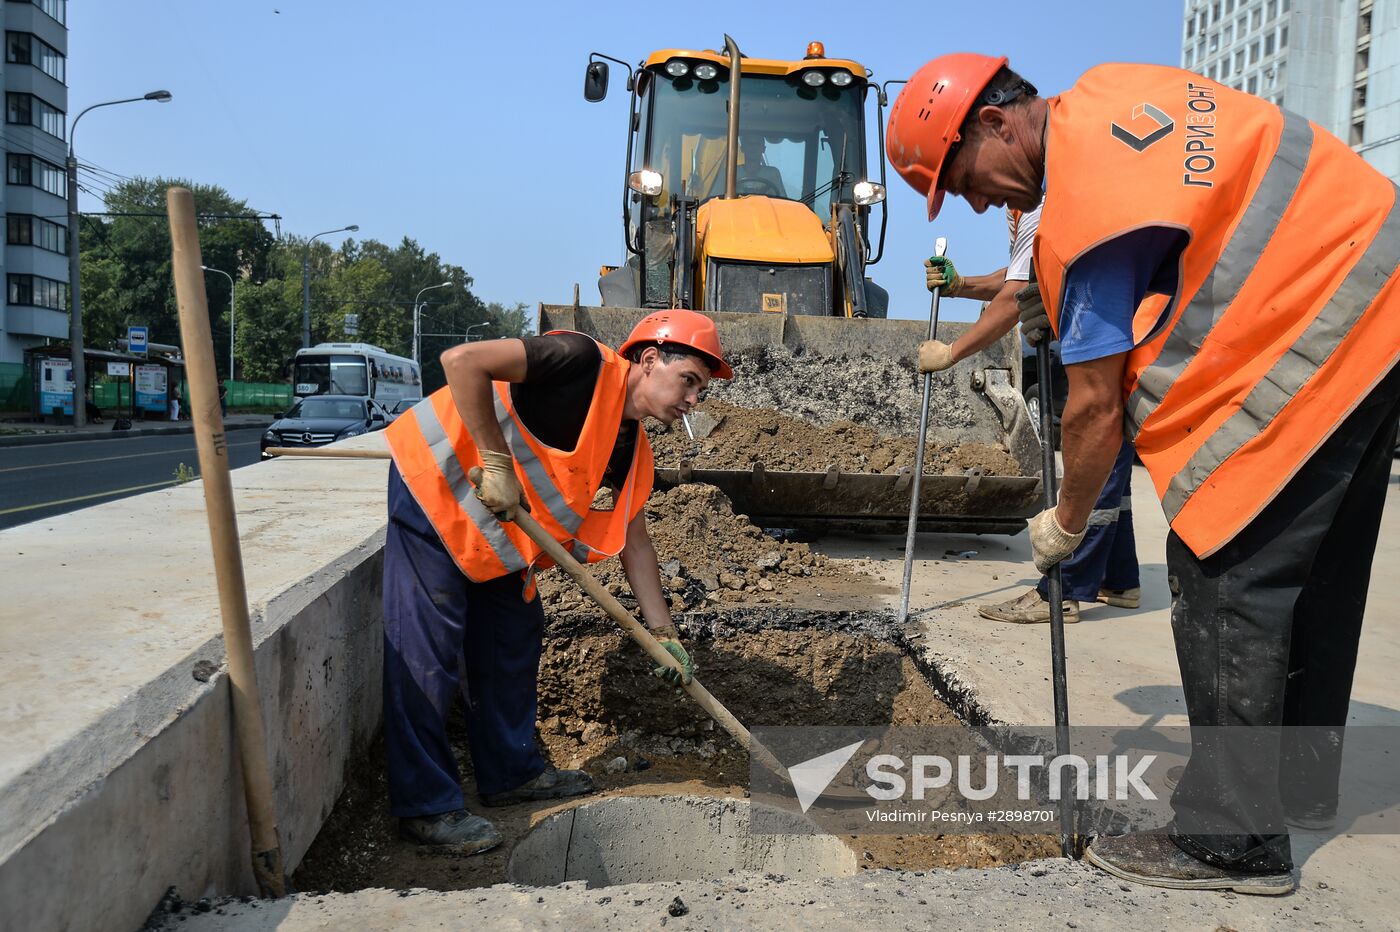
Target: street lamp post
{"x":306,"y":281}
{"x":75,"y":291}
{"x":417,"y":329}
{"x":230,"y":316}
{"x":468,"y":334}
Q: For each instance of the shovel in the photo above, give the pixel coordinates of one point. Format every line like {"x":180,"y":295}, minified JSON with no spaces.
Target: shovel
{"x":639,"y":634}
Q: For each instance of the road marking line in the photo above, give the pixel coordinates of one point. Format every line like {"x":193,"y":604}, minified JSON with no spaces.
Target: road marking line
{"x":83,"y":498}
{"x":105,"y":459}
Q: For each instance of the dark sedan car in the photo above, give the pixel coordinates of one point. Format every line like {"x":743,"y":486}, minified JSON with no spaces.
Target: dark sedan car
{"x":321,"y":419}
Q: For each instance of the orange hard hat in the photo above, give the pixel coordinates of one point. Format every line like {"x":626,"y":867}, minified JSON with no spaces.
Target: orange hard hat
{"x":926,"y":115}
{"x":686,"y":328}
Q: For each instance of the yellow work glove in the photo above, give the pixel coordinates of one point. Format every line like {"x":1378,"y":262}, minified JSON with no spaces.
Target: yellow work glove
{"x":939,"y":272}
{"x":935,"y":356}
{"x":670,"y":639}
{"x":499,"y":489}
{"x":1051,"y":543}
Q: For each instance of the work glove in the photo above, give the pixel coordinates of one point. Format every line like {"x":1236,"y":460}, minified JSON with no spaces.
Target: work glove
{"x":1035,"y":322}
{"x":940,"y":273}
{"x":935,"y":356}
{"x":498,"y":488}
{"x":670,"y":639}
{"x":1051,"y":543}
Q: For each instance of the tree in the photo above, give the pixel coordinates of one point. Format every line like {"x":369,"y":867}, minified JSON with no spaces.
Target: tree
{"x":126,"y":273}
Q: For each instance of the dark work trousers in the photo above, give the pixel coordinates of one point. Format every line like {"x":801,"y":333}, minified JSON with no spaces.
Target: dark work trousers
{"x":434,"y":615}
{"x":1266,"y":632}
{"x":1107,"y":558}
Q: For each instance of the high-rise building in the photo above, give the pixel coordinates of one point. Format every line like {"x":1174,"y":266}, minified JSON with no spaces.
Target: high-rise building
{"x":1336,"y":62}
{"x":35,"y":194}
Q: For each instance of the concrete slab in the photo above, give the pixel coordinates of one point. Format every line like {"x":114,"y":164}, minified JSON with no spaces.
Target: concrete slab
{"x":116,"y":764}
{"x":1038,"y":895}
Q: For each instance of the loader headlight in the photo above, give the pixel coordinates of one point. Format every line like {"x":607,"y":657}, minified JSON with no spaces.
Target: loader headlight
{"x":841,"y":78}
{"x":706,"y":71}
{"x":677,"y":68}
{"x":867,"y":193}
{"x":645,"y":182}
{"x":813,"y":78}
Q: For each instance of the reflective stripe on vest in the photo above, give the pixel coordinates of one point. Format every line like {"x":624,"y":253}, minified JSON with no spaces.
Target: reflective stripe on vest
{"x":462,"y":490}
{"x":1223,"y":283}
{"x":1287,"y":306}
{"x":1287,"y":378}
{"x":434,"y":454}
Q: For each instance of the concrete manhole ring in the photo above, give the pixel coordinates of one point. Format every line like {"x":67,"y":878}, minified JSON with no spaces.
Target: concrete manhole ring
{"x":649,"y":839}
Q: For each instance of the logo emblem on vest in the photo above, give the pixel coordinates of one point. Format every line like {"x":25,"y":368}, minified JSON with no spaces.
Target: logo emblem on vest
{"x":1165,"y":125}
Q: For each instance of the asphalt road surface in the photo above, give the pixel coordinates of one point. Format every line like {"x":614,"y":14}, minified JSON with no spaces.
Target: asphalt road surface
{"x":53,"y":478}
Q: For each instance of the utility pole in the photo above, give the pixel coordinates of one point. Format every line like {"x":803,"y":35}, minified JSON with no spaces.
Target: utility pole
{"x":417,"y":328}
{"x":75,"y":290}
{"x":306,"y":281}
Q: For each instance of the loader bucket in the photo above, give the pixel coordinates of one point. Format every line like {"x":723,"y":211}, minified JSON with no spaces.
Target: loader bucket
{"x":976,"y":501}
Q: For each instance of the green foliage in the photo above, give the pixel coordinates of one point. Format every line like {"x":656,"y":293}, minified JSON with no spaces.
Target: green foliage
{"x":184,"y":474}
{"x":126,"y":279}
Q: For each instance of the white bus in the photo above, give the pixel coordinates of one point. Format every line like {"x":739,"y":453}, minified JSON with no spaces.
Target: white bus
{"x":356,"y":369}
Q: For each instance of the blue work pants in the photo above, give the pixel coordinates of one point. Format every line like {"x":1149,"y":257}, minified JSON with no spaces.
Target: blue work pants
{"x":435,"y":616}
{"x":1107,"y":558}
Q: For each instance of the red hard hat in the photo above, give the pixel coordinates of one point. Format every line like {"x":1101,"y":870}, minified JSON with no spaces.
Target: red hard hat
{"x":926,"y":115}
{"x":684,"y":327}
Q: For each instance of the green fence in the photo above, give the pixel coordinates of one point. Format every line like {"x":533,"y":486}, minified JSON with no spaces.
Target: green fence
{"x":16,"y":385}
{"x":259,"y":395}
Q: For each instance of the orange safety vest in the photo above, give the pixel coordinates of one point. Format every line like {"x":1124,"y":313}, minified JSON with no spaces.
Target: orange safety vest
{"x":1286,"y":312}
{"x":434,"y":454}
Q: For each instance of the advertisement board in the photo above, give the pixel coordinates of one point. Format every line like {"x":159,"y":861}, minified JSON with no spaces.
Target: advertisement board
{"x":150,"y":389}
{"x":56,"y":385}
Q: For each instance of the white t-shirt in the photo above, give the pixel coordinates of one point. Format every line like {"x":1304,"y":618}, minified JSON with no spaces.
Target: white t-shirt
{"x":1022,"y":227}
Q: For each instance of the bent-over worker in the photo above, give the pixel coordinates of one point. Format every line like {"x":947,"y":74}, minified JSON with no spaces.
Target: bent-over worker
{"x":1262,"y":398}
{"x":549,"y":420}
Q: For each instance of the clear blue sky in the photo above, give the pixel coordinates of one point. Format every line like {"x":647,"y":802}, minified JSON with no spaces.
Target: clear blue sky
{"x":463,"y":124}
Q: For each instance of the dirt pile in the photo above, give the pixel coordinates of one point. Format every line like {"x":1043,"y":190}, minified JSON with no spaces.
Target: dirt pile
{"x":780,"y":442}
{"x":879,"y":392}
{"x":708,"y":556}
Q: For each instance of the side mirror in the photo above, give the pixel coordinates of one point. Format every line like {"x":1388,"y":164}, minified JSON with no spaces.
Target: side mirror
{"x":595,"y":81}
{"x":279,"y":415}
{"x":377,"y":416}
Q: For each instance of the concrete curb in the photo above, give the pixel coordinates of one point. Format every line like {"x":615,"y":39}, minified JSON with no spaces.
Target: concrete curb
{"x":25,"y":440}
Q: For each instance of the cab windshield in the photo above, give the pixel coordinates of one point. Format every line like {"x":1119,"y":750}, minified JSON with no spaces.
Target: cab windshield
{"x":794,"y":139}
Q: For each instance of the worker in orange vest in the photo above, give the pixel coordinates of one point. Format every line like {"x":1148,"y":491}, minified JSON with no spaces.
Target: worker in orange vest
{"x":549,"y":420}
{"x":1261,"y":396}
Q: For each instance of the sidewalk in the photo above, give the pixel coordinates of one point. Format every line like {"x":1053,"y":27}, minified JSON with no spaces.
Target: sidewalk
{"x":21,"y":434}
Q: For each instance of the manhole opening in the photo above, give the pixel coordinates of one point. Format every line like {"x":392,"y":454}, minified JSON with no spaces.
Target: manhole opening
{"x":600,"y":709}
{"x":649,"y":839}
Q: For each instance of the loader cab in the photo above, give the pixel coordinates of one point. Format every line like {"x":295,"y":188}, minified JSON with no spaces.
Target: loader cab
{"x":801,"y":148}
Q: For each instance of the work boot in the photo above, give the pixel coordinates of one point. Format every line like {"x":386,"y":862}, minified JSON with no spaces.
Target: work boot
{"x":1028,"y":609}
{"x":1121,"y":598}
{"x":551,"y":784}
{"x":1155,"y":860}
{"x":458,"y":831}
{"x":1311,"y":817}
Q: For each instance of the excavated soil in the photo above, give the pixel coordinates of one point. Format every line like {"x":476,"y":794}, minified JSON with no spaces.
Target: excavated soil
{"x":602,"y":711}
{"x":711,"y":556}
{"x":799,"y":412}
{"x":746,"y":436}
{"x":879,"y":392}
